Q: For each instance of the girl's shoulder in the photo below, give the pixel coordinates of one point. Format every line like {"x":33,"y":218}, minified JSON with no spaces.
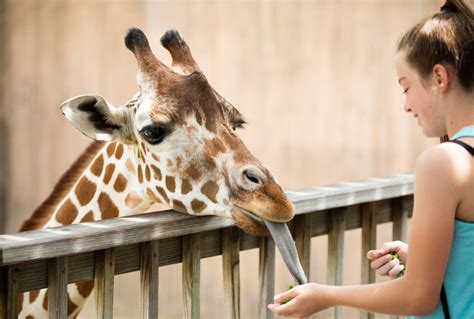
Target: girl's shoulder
{"x":447,"y":162}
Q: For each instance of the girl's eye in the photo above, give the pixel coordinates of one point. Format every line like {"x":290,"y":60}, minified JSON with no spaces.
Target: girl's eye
{"x":405,"y":91}
{"x":153,"y":134}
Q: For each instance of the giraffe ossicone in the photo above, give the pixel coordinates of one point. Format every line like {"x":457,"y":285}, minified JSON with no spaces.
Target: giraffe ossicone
{"x":174,"y":143}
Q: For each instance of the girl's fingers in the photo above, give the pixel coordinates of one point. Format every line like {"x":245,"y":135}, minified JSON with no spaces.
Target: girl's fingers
{"x":282,"y":310}
{"x":377,"y":263}
{"x":396,"y":271}
{"x":284,"y":296}
{"x":385,"y":269}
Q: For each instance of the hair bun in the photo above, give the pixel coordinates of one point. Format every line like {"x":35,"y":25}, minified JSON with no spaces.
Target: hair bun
{"x":449,"y":7}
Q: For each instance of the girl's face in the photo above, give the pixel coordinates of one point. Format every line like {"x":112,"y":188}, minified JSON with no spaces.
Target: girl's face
{"x":421,"y":98}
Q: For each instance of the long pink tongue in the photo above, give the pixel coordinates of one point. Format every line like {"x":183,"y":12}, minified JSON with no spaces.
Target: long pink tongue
{"x":286,"y":246}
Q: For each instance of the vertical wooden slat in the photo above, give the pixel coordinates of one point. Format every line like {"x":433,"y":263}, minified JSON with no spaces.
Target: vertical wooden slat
{"x":336,"y":251}
{"x":149,"y":263}
{"x":104,"y":282}
{"x":369,"y":236}
{"x":9,"y":292}
{"x":57,"y":287}
{"x":400,"y":225}
{"x":266,"y":276}
{"x":191,"y":275}
{"x":303,"y":241}
{"x":231,"y":270}
{"x":400,"y":220}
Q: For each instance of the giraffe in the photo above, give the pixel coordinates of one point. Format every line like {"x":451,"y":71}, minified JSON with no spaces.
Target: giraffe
{"x":173,"y":142}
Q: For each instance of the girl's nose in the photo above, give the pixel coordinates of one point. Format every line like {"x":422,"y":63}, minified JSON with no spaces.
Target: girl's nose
{"x":407,"y":108}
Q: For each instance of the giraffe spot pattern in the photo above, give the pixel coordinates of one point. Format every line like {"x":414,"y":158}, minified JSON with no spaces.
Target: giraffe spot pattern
{"x":85,"y":190}
{"x":97,"y":166}
{"x":179,"y":206}
{"x":156,"y":172}
{"x":89,"y":217}
{"x":210,"y":189}
{"x":147,"y":173}
{"x":109,"y":171}
{"x":85,"y":288}
{"x":133,"y":199}
{"x":186,"y":186}
{"x":20,"y":302}
{"x":119,"y":151}
{"x":107,"y":206}
{"x":193,"y":172}
{"x":170,"y":184}
{"x":71,"y":306}
{"x":29,"y":317}
{"x":45,"y":301}
{"x":131,"y":168}
{"x":199,"y":118}
{"x":152,"y":195}
{"x":155,"y":157}
{"x":33,"y":295}
{"x":140,"y":174}
{"x":111,"y":149}
{"x":163,"y":194}
{"x":198,"y":206}
{"x":67,"y":213}
{"x":120,"y":183}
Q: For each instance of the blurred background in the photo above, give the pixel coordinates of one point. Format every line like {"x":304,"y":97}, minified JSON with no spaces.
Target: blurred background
{"x":314,"y":79}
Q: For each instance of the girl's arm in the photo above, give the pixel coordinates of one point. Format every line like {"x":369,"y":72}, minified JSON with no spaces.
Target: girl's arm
{"x":431,"y":232}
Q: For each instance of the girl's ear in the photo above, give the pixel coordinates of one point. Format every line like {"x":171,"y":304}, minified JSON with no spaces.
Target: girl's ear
{"x":441,"y":77}
{"x":97,"y":119}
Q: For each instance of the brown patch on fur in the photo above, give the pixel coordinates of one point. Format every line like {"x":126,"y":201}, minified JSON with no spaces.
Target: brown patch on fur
{"x":198,"y":206}
{"x":109,"y":171}
{"x":140,"y":174}
{"x":133,"y":199}
{"x":111,"y":149}
{"x":179,"y":206}
{"x":210,"y":189}
{"x":144,"y":148}
{"x":43,"y":213}
{"x":120,"y":183}
{"x":170,"y":183}
{"x":71,"y":306}
{"x":21,"y":297}
{"x":186,"y":186}
{"x":193,"y":172}
{"x":163,"y":194}
{"x":129,"y":165}
{"x":85,"y":288}
{"x":147,"y":173}
{"x":156,"y":172}
{"x":169,"y":163}
{"x":152,"y":195}
{"x":98,"y":166}
{"x":178,"y":162}
{"x":214,"y":147}
{"x":89,"y":217}
{"x":85,"y":190}
{"x":67,"y":213}
{"x":155,"y":157}
{"x":198,"y":117}
{"x":119,"y":151}
{"x":107,"y":207}
{"x":29,"y":317}
{"x":33,"y":295}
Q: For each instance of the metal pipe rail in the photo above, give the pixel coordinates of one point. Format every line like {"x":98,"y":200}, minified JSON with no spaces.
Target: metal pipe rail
{"x":52,"y":258}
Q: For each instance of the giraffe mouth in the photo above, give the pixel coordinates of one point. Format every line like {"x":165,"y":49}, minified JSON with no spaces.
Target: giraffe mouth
{"x":284,"y":241}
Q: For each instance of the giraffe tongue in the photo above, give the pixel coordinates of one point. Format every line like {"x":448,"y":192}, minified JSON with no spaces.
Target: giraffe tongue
{"x":282,"y":237}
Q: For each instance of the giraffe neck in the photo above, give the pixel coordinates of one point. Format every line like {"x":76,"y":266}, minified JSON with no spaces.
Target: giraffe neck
{"x":101,"y":184}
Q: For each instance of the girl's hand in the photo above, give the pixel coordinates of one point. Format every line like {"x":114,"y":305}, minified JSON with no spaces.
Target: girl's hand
{"x":305,"y":300}
{"x":384,"y":263}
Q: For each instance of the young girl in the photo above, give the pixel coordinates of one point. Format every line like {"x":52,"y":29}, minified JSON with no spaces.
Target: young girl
{"x":435,"y":67}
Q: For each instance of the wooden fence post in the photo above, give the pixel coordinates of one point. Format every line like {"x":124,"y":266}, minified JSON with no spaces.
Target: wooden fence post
{"x":57,"y":287}
{"x":369,"y":236}
{"x":149,"y":276}
{"x":336,"y":251}
{"x":104,"y":282}
{"x":9,"y":292}
{"x":191,"y":275}
{"x":266,"y":276}
{"x":231,"y":270}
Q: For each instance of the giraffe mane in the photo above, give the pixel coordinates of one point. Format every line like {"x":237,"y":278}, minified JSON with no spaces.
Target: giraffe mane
{"x":43,"y":213}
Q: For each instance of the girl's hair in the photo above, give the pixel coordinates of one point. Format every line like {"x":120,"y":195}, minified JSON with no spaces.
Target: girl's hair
{"x":447,"y":37}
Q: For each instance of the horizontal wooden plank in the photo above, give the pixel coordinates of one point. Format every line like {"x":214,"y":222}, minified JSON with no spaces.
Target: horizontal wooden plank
{"x":86,"y":237}
{"x":33,"y":275}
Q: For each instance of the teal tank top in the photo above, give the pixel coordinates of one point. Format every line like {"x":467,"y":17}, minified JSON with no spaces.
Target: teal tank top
{"x":459,"y":274}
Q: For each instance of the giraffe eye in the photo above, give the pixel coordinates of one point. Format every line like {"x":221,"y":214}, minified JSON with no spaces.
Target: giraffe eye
{"x":153,"y":134}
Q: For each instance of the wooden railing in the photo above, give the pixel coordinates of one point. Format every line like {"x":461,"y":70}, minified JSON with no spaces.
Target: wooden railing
{"x":52,"y":258}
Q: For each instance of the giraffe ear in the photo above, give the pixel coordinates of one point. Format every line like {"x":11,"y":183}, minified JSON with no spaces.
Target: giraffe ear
{"x":97,"y":119}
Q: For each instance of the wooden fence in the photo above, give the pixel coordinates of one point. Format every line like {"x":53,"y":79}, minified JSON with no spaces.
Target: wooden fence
{"x":52,"y":258}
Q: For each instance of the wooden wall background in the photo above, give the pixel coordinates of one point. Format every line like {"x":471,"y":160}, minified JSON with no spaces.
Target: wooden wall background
{"x":315,"y":80}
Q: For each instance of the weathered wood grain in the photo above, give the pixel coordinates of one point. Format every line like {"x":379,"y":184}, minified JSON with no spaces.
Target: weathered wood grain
{"x":191,"y":276}
{"x":104,"y":283}
{"x":336,"y":251}
{"x":302,"y":231}
{"x":231,"y":271}
{"x":369,"y":236}
{"x":9,"y":280}
{"x":149,"y":262}
{"x":266,"y":277}
{"x":57,"y":287}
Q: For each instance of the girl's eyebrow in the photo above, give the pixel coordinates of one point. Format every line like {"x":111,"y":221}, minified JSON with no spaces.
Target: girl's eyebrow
{"x":401,"y":79}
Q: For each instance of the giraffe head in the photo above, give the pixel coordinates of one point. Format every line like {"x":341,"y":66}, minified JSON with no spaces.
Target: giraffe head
{"x":182,"y":131}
